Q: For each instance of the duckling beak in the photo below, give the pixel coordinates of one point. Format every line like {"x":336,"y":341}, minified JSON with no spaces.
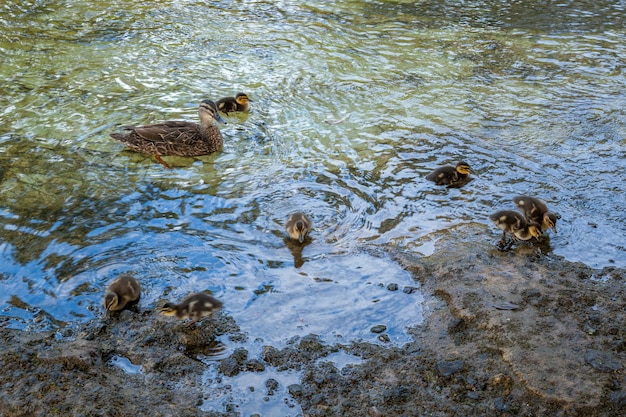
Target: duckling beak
{"x":219,"y":118}
{"x":301,"y":237}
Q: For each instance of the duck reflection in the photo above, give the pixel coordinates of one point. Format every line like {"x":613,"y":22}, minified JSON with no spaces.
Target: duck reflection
{"x":295,"y":247}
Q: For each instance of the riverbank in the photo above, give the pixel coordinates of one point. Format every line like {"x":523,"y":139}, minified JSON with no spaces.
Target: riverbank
{"x":518,"y":333}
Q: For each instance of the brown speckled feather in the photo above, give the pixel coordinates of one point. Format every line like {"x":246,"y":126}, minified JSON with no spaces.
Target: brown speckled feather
{"x":177,"y":137}
{"x":172,"y":138}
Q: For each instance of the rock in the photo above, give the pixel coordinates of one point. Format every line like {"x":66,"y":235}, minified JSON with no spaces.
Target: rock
{"x":379,"y":328}
{"x":240,"y":355}
{"x":229,"y":367}
{"x":449,"y":368}
{"x":384,"y":338}
{"x":255,"y":365}
{"x":409,"y":289}
{"x":271,"y":385}
{"x":602,"y":361}
{"x":81,"y":354}
{"x":311,"y":343}
{"x":295,"y":390}
{"x":392,"y":287}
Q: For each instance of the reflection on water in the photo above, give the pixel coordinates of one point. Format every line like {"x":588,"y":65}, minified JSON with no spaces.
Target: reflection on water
{"x":536,"y":106}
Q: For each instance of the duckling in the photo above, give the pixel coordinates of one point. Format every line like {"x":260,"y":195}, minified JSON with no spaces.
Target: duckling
{"x":194,"y":307}
{"x":180,"y":138}
{"x":449,"y":175}
{"x":297,"y":226}
{"x":232,"y":104}
{"x":536,"y":211}
{"x":124,"y":290}
{"x":516,"y":224}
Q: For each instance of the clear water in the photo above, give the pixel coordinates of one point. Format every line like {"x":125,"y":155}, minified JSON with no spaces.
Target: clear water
{"x":531,"y":95}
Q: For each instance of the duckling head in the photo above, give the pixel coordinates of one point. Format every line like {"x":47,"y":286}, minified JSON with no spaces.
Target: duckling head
{"x":302,"y":230}
{"x":535,"y":230}
{"x":242,"y":99}
{"x":169,"y":309}
{"x":463,"y":168}
{"x":549,"y":221}
{"x":111,"y":301}
{"x":208,"y":111}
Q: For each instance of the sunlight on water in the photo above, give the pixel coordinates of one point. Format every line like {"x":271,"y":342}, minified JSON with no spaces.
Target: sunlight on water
{"x":354,"y":104}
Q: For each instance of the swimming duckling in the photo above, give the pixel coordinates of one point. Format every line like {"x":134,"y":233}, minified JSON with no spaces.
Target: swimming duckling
{"x":232,"y":104}
{"x":122,"y":291}
{"x":536,"y":211}
{"x":449,"y":175}
{"x":194,"y":307}
{"x":516,"y":224}
{"x":177,"y":137}
{"x":297,"y":226}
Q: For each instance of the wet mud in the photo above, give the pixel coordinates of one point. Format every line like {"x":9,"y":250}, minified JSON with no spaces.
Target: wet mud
{"x":516,"y":333}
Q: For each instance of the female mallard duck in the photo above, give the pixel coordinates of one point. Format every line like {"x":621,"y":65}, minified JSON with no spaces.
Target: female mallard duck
{"x":298,"y":225}
{"x":177,"y":137}
{"x":232,"y":104}
{"x":194,"y":307}
{"x":449,"y":175}
{"x":514,"y":223}
{"x":536,"y":211}
{"x":122,"y":291}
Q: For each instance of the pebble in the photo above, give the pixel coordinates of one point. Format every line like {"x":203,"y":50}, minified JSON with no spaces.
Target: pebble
{"x":379,"y":328}
{"x":255,"y":365}
{"x":295,"y":390}
{"x":271,"y":385}
{"x":229,"y":367}
{"x":384,"y":338}
{"x":409,"y":290}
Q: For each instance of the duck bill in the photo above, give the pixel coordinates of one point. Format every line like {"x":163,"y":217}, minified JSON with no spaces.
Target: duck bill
{"x":301,"y":237}
{"x":219,"y":118}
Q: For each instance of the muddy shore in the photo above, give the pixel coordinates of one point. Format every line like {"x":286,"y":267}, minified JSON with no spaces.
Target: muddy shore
{"x":517,"y":333}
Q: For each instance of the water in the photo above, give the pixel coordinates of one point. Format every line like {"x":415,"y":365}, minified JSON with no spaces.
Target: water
{"x":531,"y":95}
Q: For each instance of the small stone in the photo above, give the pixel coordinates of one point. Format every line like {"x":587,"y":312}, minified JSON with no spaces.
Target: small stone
{"x":409,"y":290}
{"x":384,"y":338}
{"x":229,"y":367}
{"x":255,"y":365}
{"x":271,"y":385}
{"x":392,"y":287}
{"x":295,"y":390}
{"x":311,"y":344}
{"x":240,"y":355}
{"x":379,"y":328}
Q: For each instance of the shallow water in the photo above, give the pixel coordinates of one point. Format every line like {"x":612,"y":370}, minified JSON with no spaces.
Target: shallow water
{"x":532,"y":96}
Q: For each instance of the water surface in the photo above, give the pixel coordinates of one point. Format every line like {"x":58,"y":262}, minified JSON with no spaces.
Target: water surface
{"x":531,"y":95}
